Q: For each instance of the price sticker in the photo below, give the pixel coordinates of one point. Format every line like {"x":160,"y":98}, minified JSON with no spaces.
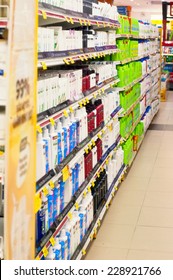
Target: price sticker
{"x":85,"y":22}
{"x":99,"y":223}
{"x":71,"y":109}
{"x":65,"y":113}
{"x":67,"y":19}
{"x":98,"y":174}
{"x":95,"y":95}
{"x":93,"y":143}
{"x":86,"y":58}
{"x":77,"y":206}
{"x":80,"y":104}
{"x":52,"y":121}
{"x":89,"y":23}
{"x":44,"y":66}
{"x":86,"y":150}
{"x":45,"y":191}
{"x":65,"y":173}
{"x":83,"y":252}
{"x":39,"y":129}
{"x":98,"y":24}
{"x":81,"y":58}
{"x":52,"y":241}
{"x":89,"y":189}
{"x":70,"y":216}
{"x":89,"y":146}
{"x":99,"y":136}
{"x":72,"y":60}
{"x":37,"y":203}
{"x":80,"y":21}
{"x":107,"y":161}
{"x":51,"y":184}
{"x":116,"y":188}
{"x":45,"y":252}
{"x":66,"y":61}
{"x":84,"y":194}
{"x":87,"y":101}
{"x":37,"y":258}
{"x":44,"y":14}
{"x":71,"y":21}
{"x":93,"y":184}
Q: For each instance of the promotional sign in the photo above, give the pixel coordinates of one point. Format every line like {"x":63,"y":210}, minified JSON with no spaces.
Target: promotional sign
{"x":20,"y":181}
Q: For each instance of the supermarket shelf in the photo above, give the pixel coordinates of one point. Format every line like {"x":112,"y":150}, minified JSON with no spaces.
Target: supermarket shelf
{"x":49,"y":59}
{"x":45,"y":243}
{"x":135,"y":36}
{"x":134,"y":59}
{"x":167,"y":54}
{"x":132,"y":84}
{"x":130,"y":109}
{"x":58,"y":112}
{"x":59,"y":15}
{"x":169,"y":63}
{"x":83,"y":147}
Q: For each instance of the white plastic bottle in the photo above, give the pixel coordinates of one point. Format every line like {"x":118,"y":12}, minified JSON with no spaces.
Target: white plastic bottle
{"x":77,"y":229}
{"x":63,"y":237}
{"x":66,"y":137}
{"x":41,"y":157}
{"x":57,"y":249}
{"x":54,"y":146}
{"x":60,"y":134}
{"x":85,"y":123}
{"x":46,"y":139}
{"x":51,"y":255}
{"x":78,"y":117}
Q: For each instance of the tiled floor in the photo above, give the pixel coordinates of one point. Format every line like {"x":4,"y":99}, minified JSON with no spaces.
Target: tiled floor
{"x":139,"y":223}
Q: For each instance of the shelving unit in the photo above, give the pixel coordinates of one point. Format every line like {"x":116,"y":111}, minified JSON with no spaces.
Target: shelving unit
{"x":28,"y":193}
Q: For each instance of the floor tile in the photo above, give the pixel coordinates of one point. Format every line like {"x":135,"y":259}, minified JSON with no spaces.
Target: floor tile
{"x":160,"y":185}
{"x":96,"y":253}
{"x":115,"y":236}
{"x":163,"y":162}
{"x":156,"y":217}
{"x":162,"y":173}
{"x":153,"y":239}
{"x":141,"y":170}
{"x":148,"y":255}
{"x":135,"y":184}
{"x":122,"y":215}
{"x":130,"y":198}
{"x":158,"y":199}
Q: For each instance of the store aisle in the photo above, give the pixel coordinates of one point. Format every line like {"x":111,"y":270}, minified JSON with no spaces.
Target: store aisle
{"x":139,"y":223}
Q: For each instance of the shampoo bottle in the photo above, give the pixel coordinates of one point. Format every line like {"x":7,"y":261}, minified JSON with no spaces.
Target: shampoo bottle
{"x":46,"y":140}
{"x":41,"y":157}
{"x":63,"y":238}
{"x":54,"y":146}
{"x":50,"y":207}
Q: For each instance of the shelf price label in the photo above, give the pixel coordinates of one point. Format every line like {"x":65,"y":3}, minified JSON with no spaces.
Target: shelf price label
{"x":65,"y":173}
{"x":52,"y":241}
{"x":45,"y":252}
{"x":51,"y":184}
{"x":44,"y":66}
{"x":70,"y":216}
{"x":39,"y":129}
{"x":37,"y":203}
{"x":44,"y":14}
{"x":52,"y":121}
{"x":77,"y":206}
{"x":83,"y":252}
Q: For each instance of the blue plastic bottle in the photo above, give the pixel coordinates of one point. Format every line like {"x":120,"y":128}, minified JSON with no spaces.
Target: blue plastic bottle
{"x":50,"y":207}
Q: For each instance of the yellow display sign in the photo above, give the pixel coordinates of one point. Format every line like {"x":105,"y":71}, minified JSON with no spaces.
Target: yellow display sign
{"x":21,"y":137}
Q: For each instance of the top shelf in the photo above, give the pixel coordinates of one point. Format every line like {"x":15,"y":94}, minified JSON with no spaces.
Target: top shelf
{"x":50,"y":15}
